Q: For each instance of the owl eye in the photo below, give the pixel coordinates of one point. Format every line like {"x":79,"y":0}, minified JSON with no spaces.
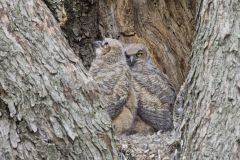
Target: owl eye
{"x":105,"y":45}
{"x":139,"y":54}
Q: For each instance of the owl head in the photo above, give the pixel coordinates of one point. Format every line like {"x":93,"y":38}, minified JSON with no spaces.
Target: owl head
{"x":109,"y":50}
{"x":136,"y":53}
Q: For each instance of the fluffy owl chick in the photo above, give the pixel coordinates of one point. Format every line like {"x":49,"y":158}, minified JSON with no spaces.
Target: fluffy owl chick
{"x":155,"y":93}
{"x":113,"y":78}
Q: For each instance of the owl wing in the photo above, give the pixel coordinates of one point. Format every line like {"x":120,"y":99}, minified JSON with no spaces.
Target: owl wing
{"x":159,"y":120}
{"x":168,"y":94}
{"x":157,"y":112}
{"x":161,"y":86}
{"x":115,"y":90}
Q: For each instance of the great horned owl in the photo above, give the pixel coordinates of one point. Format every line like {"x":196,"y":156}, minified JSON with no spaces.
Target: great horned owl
{"x":155,"y":93}
{"x":112,"y":75}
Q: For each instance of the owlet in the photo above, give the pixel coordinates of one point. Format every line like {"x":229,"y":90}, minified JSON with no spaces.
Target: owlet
{"x":112,"y":75}
{"x":155,"y":93}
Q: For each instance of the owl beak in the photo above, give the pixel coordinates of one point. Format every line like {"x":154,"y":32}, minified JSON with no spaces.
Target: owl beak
{"x":131,"y":61}
{"x":97,"y":44}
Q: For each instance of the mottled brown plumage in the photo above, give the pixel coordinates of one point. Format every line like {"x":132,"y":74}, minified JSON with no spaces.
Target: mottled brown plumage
{"x":113,"y":77}
{"x":155,"y":93}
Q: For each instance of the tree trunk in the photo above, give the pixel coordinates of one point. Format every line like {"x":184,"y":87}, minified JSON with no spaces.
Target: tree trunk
{"x":211,"y":127}
{"x":45,"y":112}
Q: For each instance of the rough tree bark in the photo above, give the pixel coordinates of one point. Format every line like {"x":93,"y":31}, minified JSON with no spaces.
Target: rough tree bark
{"x":79,"y":21}
{"x":45,"y":112}
{"x":211,"y":127}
